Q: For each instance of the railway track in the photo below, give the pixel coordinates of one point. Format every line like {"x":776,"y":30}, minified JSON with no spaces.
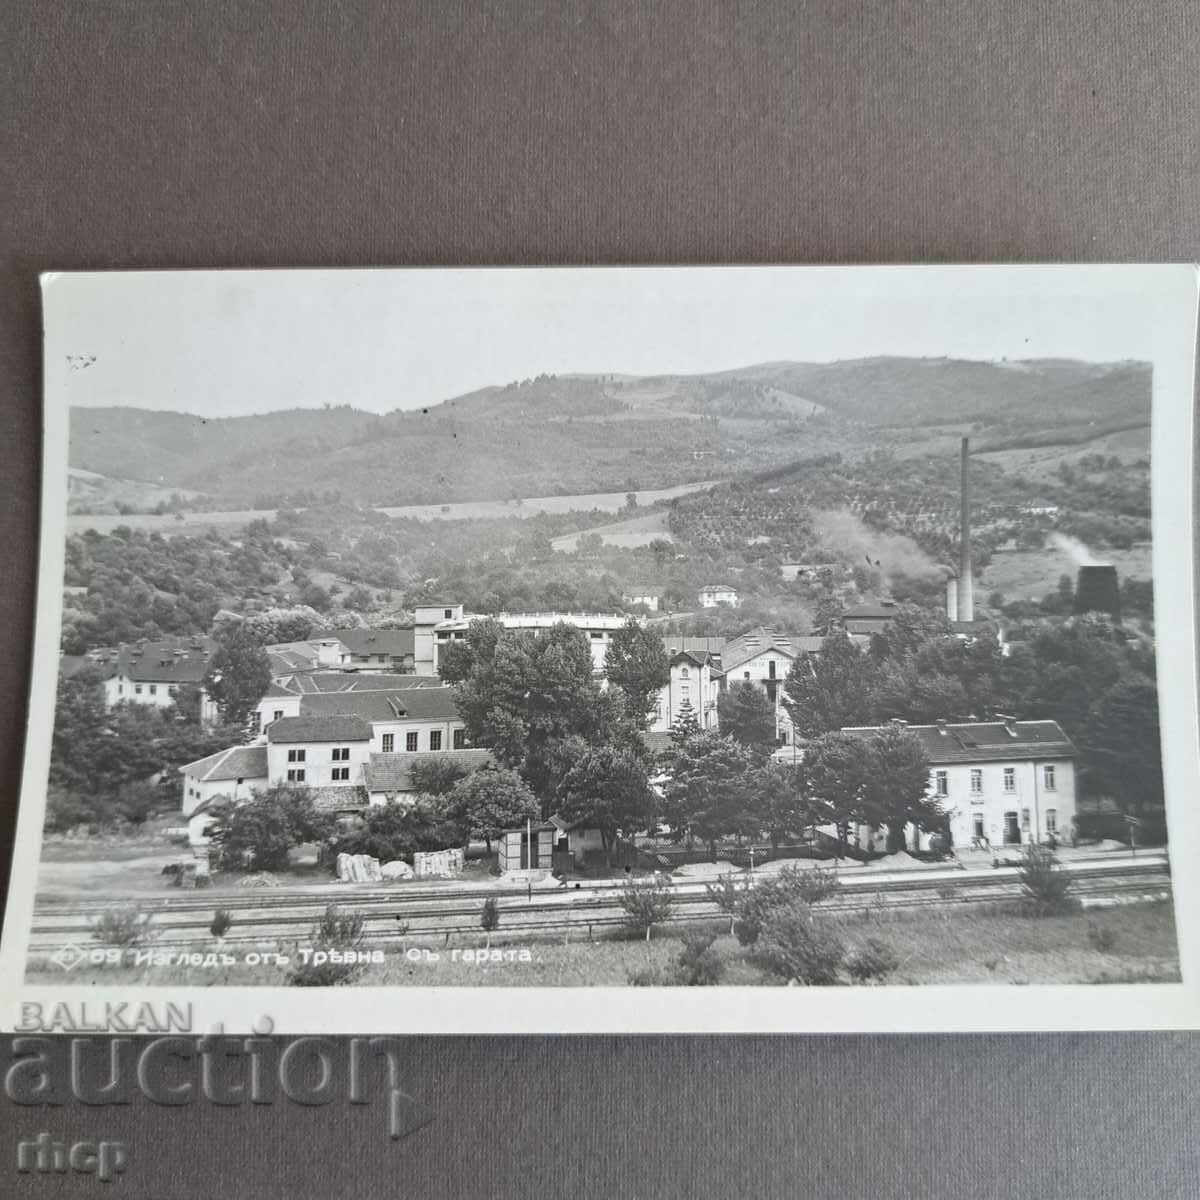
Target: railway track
{"x":401,"y":914}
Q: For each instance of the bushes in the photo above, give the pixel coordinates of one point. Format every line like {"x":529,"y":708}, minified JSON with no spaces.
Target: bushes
{"x":798,"y":945}
{"x":489,"y":918}
{"x":873,"y":960}
{"x":125,"y":928}
{"x":698,"y":964}
{"x":221,"y":922}
{"x":646,"y":905}
{"x":394,"y":831}
{"x":260,"y":832}
{"x":1045,"y":884}
{"x":338,"y":931}
{"x":749,"y":905}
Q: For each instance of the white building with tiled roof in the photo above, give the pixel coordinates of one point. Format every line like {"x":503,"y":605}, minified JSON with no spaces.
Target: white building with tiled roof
{"x":1002,"y":782}
{"x":716,"y":594}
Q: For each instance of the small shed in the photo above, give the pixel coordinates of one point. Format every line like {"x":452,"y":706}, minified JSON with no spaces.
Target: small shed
{"x":515,"y":848}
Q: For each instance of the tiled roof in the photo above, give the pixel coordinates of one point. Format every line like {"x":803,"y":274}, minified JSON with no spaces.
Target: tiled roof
{"x":884,"y":609}
{"x":238,"y":762}
{"x":985,"y":741}
{"x":392,"y":772}
{"x":717,"y":587}
{"x":362,"y":642}
{"x":337,"y":728}
{"x":173,"y":660}
{"x":416,"y":704}
{"x":761,"y":640}
{"x":323,"y":682}
{"x":674,"y":643}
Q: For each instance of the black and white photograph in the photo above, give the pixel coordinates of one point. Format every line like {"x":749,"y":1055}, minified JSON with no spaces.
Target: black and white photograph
{"x":764,"y":647}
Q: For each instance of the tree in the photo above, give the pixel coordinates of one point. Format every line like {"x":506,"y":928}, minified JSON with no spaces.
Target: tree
{"x":489,"y":918}
{"x":396,"y":831}
{"x":534,"y":700}
{"x":798,"y":944}
{"x":900,"y":783}
{"x":238,"y":676}
{"x":646,"y":905}
{"x":489,"y":801}
{"x":711,"y":790}
{"x":830,"y":690}
{"x":435,"y":776}
{"x":637,"y":664}
{"x":609,"y":790}
{"x":841,"y":774}
{"x":260,"y":832}
{"x":684,"y":726}
{"x":783,"y":807}
{"x":747,"y":714}
{"x":1123,"y":743}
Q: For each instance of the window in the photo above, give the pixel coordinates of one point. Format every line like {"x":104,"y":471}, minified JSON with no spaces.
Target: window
{"x":745,"y":674}
{"x":976,"y":781}
{"x":1010,"y":779}
{"x":1025,"y":818}
{"x":941,"y":783}
{"x":447,"y":613}
{"x":341,"y":754}
{"x":683,"y":674}
{"x":978,"y":827}
{"x":278,"y":715}
{"x":684,"y":690}
{"x":296,"y":755}
{"x":410,"y":741}
{"x":137,"y":689}
{"x":171,"y":689}
{"x":435,"y":739}
{"x":1052,"y":820}
{"x":460,"y":738}
{"x":1048,"y":778}
{"x":295,"y":776}
{"x":771,"y":669}
{"x":154,"y":689}
{"x":389,"y":743}
{"x":256,"y":724}
{"x":340,"y":774}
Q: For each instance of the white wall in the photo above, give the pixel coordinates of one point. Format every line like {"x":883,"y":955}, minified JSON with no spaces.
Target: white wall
{"x":400,"y":729}
{"x":758,"y":670}
{"x":318,"y":765}
{"x":701,"y":691}
{"x":990,"y":806}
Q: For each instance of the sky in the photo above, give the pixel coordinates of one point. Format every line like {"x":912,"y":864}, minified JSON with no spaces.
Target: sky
{"x":229,"y":343}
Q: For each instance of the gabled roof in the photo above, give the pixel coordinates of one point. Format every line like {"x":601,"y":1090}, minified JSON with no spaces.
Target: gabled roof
{"x":336,"y":728}
{"x":762,"y":640}
{"x":238,"y":762}
{"x":415,"y":704}
{"x":360,"y":642}
{"x":717,"y":587}
{"x":392,"y":772}
{"x":985,"y":741}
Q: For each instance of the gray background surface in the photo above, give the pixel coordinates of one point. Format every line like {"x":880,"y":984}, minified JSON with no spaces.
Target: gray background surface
{"x":173,"y":134}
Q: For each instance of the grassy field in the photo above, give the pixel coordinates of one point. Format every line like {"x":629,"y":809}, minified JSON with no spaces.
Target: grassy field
{"x":954,"y":945}
{"x":1032,"y":574}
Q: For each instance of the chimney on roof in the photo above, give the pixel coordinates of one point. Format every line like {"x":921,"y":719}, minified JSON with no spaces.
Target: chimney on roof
{"x":966,"y":580}
{"x":1010,"y":723}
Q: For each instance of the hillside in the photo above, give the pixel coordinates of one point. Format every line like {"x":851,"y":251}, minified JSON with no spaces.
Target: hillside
{"x":583,"y":433}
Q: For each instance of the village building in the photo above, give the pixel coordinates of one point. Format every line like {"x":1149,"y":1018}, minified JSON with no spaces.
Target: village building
{"x":764,"y":657}
{"x":598,"y":627}
{"x":388,"y":777}
{"x":651,"y":598}
{"x":695,"y":683}
{"x":717,"y":594}
{"x":234,"y":774}
{"x":146,"y":672}
{"x":318,"y":751}
{"x":282,"y":698}
{"x":377,"y":649}
{"x":871,"y":617}
{"x":1001,"y":783}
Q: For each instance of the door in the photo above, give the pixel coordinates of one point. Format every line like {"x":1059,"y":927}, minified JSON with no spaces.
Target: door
{"x":1012,"y":829}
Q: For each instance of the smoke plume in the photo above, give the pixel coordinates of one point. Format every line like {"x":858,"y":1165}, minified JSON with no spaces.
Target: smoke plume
{"x":892,"y":554}
{"x":1079,"y":554}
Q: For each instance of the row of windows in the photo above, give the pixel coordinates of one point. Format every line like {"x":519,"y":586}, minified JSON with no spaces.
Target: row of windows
{"x":979,"y":828}
{"x":337,"y":774}
{"x":137,"y":689}
{"x":1009,"y":776}
{"x":412,"y":740}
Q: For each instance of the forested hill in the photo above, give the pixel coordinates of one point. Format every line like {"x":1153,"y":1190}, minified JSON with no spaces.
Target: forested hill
{"x":586,"y":433}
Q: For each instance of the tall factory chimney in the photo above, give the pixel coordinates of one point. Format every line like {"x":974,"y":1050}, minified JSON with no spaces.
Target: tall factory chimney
{"x":966,"y":581}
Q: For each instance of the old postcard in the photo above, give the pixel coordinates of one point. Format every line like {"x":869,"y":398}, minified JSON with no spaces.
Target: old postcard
{"x":613,"y":649}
